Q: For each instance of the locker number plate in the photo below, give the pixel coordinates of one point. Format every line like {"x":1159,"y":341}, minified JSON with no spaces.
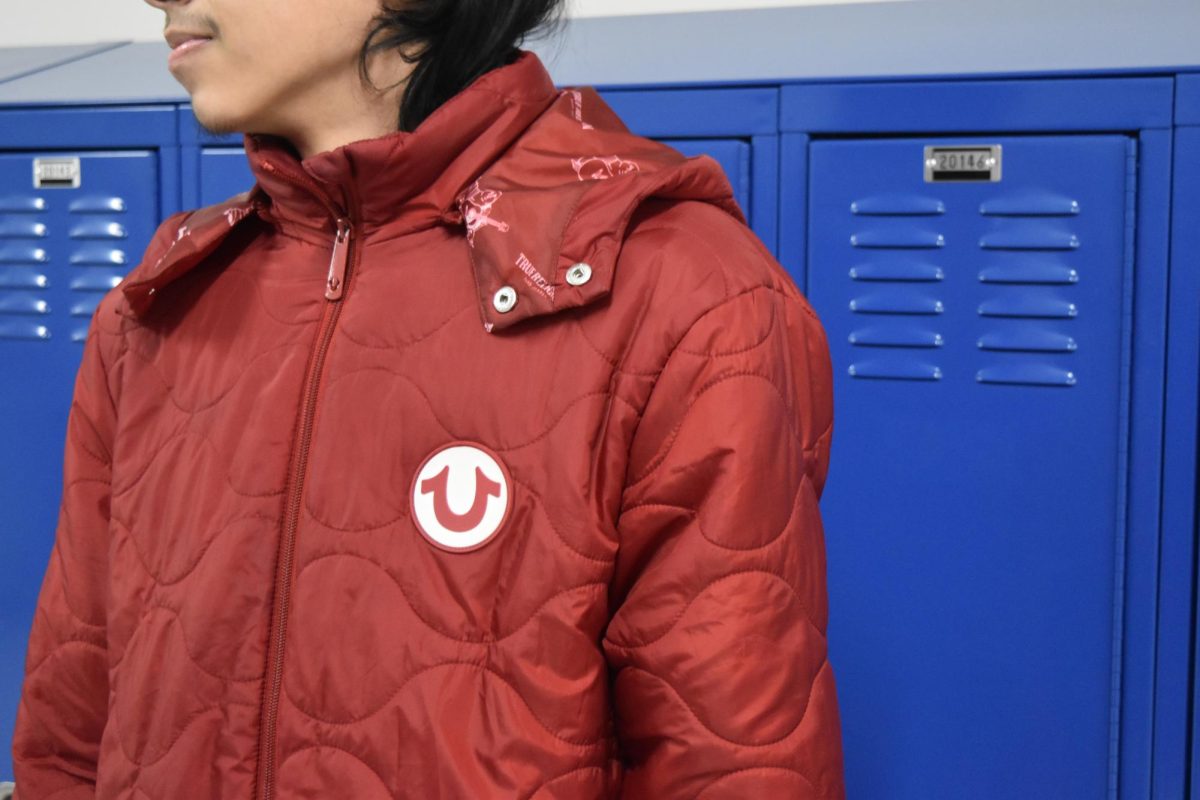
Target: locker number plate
{"x":60,"y":172}
{"x":962,"y":163}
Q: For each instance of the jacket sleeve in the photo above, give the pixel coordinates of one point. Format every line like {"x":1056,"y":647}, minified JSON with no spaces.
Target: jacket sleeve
{"x":64,"y":699}
{"x":717,"y":645}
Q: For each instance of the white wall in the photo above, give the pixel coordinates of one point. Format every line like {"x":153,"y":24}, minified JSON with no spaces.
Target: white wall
{"x":41,"y":22}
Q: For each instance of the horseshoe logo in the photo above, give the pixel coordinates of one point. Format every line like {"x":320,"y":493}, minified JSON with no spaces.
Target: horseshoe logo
{"x":448,"y":519}
{"x":460,"y":496}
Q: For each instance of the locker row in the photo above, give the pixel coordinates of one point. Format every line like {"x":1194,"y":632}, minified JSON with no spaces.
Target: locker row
{"x":1005,"y":262}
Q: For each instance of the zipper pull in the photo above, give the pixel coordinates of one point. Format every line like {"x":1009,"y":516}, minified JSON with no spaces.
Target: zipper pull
{"x":337,"y":262}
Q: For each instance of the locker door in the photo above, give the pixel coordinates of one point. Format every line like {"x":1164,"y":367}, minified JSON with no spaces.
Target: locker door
{"x":974,"y":507}
{"x":61,"y":248}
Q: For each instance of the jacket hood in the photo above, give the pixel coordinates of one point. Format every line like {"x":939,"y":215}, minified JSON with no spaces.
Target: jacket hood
{"x":537,"y":180}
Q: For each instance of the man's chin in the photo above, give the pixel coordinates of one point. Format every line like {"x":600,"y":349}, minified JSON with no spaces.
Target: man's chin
{"x":215,"y":123}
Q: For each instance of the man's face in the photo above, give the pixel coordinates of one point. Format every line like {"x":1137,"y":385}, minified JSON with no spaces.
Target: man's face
{"x":272,"y":66}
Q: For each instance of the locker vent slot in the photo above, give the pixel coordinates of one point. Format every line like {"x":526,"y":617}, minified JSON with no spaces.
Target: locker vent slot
{"x":1028,"y":339}
{"x":896,"y":301}
{"x":1029,"y":237}
{"x":1029,"y":272}
{"x":1027,"y":306}
{"x":898,"y":237}
{"x":902,"y":369}
{"x":1034,"y":374}
{"x":22,"y":278}
{"x":896,"y":204}
{"x":95,"y":282}
{"x":1030,"y":204}
{"x":98,"y":229}
{"x":97,"y":205}
{"x":97,"y":256}
{"x":21,"y":204}
{"x":16,"y":329}
{"x":23,"y":304}
{"x":22,"y":254}
{"x":22,"y":229}
{"x":895,"y":337}
{"x":896,"y":271}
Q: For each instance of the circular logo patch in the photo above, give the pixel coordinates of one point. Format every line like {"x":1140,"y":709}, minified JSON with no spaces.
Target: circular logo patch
{"x":460,"y":496}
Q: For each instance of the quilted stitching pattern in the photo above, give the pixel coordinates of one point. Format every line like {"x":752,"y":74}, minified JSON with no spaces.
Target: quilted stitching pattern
{"x":650,"y":622}
{"x":722,"y":615}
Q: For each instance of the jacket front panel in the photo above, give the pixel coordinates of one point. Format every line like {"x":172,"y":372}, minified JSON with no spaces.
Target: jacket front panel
{"x":484,"y":661}
{"x":403,"y":543}
{"x":208,"y":405}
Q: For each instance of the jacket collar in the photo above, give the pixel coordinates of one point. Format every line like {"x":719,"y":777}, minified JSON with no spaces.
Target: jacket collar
{"x":537,"y":180}
{"x":403,"y":180}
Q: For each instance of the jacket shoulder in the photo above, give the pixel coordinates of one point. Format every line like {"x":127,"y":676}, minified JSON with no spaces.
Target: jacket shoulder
{"x":114,"y":310}
{"x":718,"y":307}
{"x":682,"y":260}
{"x":181,"y":243}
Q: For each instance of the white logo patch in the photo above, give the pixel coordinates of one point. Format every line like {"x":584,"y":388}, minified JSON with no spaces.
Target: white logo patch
{"x":460,"y":496}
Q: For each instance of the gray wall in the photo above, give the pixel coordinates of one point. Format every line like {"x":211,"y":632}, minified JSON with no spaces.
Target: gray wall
{"x":42,"y":22}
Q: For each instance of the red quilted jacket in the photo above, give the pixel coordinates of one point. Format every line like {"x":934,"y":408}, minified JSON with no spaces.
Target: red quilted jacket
{"x":480,"y":461}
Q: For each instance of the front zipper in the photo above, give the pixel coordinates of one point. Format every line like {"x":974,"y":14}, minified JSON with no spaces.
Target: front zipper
{"x":340,"y":264}
{"x":337,"y":261}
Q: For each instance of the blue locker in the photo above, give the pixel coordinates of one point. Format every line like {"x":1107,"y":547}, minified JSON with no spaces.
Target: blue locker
{"x":62,"y":246}
{"x":969,"y":511}
{"x":975,"y":329}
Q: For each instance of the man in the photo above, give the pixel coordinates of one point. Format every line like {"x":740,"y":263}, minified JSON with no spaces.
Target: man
{"x":474,"y":453}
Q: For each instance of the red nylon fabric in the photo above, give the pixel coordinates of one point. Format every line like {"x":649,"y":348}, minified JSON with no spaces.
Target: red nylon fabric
{"x":406,"y":544}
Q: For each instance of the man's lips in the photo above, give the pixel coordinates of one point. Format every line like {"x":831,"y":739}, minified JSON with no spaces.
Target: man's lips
{"x":183,"y":49}
{"x":176,"y":37}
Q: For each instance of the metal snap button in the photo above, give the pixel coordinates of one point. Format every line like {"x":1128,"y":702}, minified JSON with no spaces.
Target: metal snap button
{"x":579,"y":274}
{"x":504,"y":299}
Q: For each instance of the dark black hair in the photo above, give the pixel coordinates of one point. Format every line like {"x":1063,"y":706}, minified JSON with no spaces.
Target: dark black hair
{"x":452,"y":42}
